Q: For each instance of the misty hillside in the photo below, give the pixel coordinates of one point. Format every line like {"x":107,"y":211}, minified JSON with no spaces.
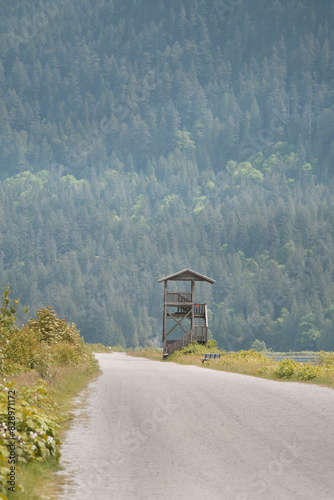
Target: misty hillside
{"x":139,"y":138}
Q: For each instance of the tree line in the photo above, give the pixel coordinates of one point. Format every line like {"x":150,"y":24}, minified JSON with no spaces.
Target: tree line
{"x":140,"y":138}
{"x":94,"y":249}
{"x":164,"y":75}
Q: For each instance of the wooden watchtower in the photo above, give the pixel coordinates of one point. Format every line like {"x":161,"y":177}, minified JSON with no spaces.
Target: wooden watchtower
{"x":181,"y":306}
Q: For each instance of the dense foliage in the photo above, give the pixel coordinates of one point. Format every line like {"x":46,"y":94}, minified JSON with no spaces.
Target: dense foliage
{"x":45,"y":342}
{"x":29,"y":415}
{"x":194,"y":348}
{"x":95,"y":249}
{"x":139,"y":138}
{"x":84,"y":81}
{"x":36,"y":429}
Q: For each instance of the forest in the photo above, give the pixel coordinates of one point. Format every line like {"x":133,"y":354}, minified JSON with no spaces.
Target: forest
{"x":140,"y":138}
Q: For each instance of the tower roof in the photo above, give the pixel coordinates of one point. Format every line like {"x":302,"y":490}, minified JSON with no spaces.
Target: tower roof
{"x":187,"y":275}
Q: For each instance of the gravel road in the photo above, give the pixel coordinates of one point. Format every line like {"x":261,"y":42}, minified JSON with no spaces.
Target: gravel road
{"x":151,"y":430}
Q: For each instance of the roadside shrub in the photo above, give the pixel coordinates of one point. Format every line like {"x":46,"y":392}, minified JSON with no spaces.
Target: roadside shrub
{"x":50,"y":329}
{"x":192,"y":348}
{"x":308,"y":371}
{"x":117,"y":348}
{"x":2,"y":361}
{"x":7,"y":311}
{"x":35,"y":427}
{"x":326,"y":359}
{"x":4,"y":469}
{"x":197,"y":349}
{"x":22,"y":346}
{"x":286,"y":368}
{"x":211,"y":345}
{"x":45,"y":341}
{"x":43,"y":361}
{"x":63,"y":353}
{"x":97,"y":347}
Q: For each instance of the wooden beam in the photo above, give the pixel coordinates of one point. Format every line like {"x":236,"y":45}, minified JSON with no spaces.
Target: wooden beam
{"x":164,"y":335}
{"x":178,"y":323}
{"x":193,"y":301}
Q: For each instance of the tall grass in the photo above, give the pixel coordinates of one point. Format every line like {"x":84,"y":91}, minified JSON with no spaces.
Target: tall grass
{"x":251,"y":362}
{"x":43,"y":364}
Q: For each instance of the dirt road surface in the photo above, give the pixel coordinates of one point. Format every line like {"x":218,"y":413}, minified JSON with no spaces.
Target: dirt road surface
{"x":151,"y":430}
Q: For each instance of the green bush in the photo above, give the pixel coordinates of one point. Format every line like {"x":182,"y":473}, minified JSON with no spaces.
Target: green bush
{"x":44,"y":342}
{"x":35,"y":427}
{"x":2,"y":360}
{"x":117,"y":348}
{"x":21,"y":346}
{"x":286,"y":368}
{"x":308,"y":371}
{"x":64,"y":354}
{"x":326,"y":359}
{"x":50,"y":329}
{"x":196,"y":348}
{"x":97,"y":347}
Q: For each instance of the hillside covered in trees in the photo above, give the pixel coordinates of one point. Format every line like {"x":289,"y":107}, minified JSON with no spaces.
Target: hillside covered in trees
{"x":139,"y":138}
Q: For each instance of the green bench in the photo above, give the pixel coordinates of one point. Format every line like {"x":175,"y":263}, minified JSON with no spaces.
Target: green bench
{"x":210,"y":355}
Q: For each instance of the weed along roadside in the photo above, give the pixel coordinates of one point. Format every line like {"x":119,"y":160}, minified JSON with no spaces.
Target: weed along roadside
{"x":251,"y":362}
{"x":43,"y":366}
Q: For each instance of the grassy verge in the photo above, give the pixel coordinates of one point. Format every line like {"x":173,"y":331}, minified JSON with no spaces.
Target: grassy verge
{"x":43,"y":366}
{"x":36,"y":479}
{"x":97,"y":348}
{"x":252,"y":363}
{"x":102,"y":348}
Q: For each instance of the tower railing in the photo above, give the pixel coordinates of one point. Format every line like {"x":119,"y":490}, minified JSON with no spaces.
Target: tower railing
{"x":181,"y":308}
{"x":198,"y":333}
{"x":178,"y":297}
